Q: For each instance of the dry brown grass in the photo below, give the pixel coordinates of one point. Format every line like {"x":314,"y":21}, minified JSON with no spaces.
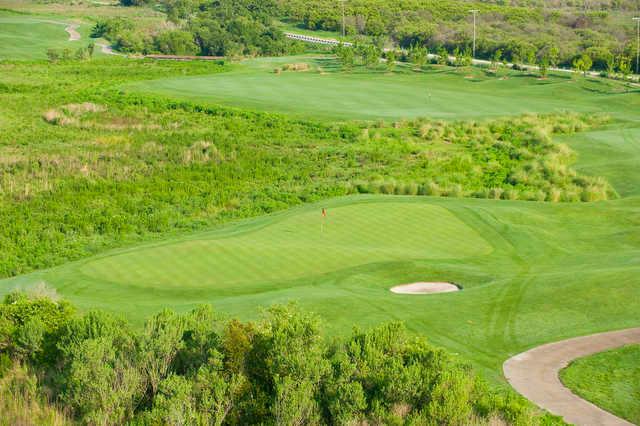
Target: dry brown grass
{"x":296,"y":67}
{"x":201,"y":152}
{"x":71,"y":114}
{"x":21,"y":404}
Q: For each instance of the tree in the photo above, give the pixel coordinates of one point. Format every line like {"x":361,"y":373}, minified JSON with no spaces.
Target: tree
{"x":443,"y":56}
{"x":457,"y":57}
{"x":346,"y":56}
{"x":174,"y":404}
{"x":467,"y":58}
{"x":370,"y":55}
{"x":611,"y":65}
{"x":159,"y":344}
{"x":624,"y":66}
{"x":496,"y":59}
{"x":543,"y":65}
{"x":582,"y":64}
{"x":176,"y":42}
{"x":100,"y":377}
{"x":554,"y":56}
{"x":391,"y":60}
{"x":418,"y":56}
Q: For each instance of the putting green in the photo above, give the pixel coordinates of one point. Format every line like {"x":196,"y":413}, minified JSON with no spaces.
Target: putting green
{"x":289,"y":249}
{"x":437,"y":93}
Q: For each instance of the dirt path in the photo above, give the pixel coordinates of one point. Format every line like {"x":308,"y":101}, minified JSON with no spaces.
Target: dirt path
{"x":72,"y":29}
{"x":535,"y":375}
{"x":106,"y":49}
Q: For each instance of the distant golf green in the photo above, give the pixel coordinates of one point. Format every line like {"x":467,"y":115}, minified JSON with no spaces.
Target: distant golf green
{"x":365,"y":94}
{"x":29,"y":36}
{"x":609,"y":379}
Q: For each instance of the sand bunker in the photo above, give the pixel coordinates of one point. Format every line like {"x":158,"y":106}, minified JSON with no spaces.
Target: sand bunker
{"x":425,"y":288}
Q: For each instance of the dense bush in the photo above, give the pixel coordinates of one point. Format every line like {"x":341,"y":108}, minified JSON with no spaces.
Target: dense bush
{"x":85,"y":167}
{"x":195,"y":368}
{"x":213,"y":28}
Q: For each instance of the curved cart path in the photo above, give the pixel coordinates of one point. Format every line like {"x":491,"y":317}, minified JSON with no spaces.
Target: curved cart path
{"x":72,"y":30}
{"x":535,"y":375}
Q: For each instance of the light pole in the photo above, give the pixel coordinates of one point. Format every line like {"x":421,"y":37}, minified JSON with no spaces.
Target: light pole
{"x":475,"y":12}
{"x":637,"y":19}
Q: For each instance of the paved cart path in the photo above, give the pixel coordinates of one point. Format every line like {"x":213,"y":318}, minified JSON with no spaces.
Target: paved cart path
{"x":535,"y":375}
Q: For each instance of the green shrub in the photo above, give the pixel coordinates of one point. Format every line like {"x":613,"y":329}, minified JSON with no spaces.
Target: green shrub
{"x":194,"y":368}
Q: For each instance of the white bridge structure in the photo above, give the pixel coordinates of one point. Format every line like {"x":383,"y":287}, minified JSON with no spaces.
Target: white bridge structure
{"x":316,"y":40}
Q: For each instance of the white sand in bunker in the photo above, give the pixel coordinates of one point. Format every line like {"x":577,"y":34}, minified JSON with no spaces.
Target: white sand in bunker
{"x":425,"y":288}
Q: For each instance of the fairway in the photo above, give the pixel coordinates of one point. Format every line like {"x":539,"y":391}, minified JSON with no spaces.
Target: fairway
{"x":513,"y":259}
{"x":210,"y":216}
{"x":530,"y":272}
{"x":29,"y":36}
{"x":363,"y":94}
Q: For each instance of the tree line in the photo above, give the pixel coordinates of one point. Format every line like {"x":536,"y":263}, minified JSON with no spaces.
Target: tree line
{"x":525,"y":60}
{"x":208,"y":28}
{"x":520,"y":31}
{"x":199,"y":369}
{"x":531,"y":32}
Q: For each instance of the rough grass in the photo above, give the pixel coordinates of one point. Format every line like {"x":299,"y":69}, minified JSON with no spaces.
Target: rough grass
{"x":609,"y":379}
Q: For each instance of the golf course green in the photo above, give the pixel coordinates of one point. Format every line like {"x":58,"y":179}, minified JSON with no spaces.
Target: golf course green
{"x":24,"y":36}
{"x":531,"y":272}
{"x":206,"y":220}
{"x":437,"y":92}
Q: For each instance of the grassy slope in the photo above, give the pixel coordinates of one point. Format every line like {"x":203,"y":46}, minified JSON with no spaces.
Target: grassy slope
{"x":29,"y":36}
{"x":28,"y":29}
{"x":533,"y":272}
{"x":542,"y":280}
{"x":609,"y":379}
{"x":362,"y":94}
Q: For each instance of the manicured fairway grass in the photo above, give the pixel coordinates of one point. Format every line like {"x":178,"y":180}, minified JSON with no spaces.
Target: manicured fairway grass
{"x":363,"y":94}
{"x":29,"y":36}
{"x":532,"y":272}
{"x":609,"y":379}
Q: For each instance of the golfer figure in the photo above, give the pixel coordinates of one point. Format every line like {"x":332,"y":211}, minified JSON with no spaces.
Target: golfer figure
{"x":324,"y":212}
